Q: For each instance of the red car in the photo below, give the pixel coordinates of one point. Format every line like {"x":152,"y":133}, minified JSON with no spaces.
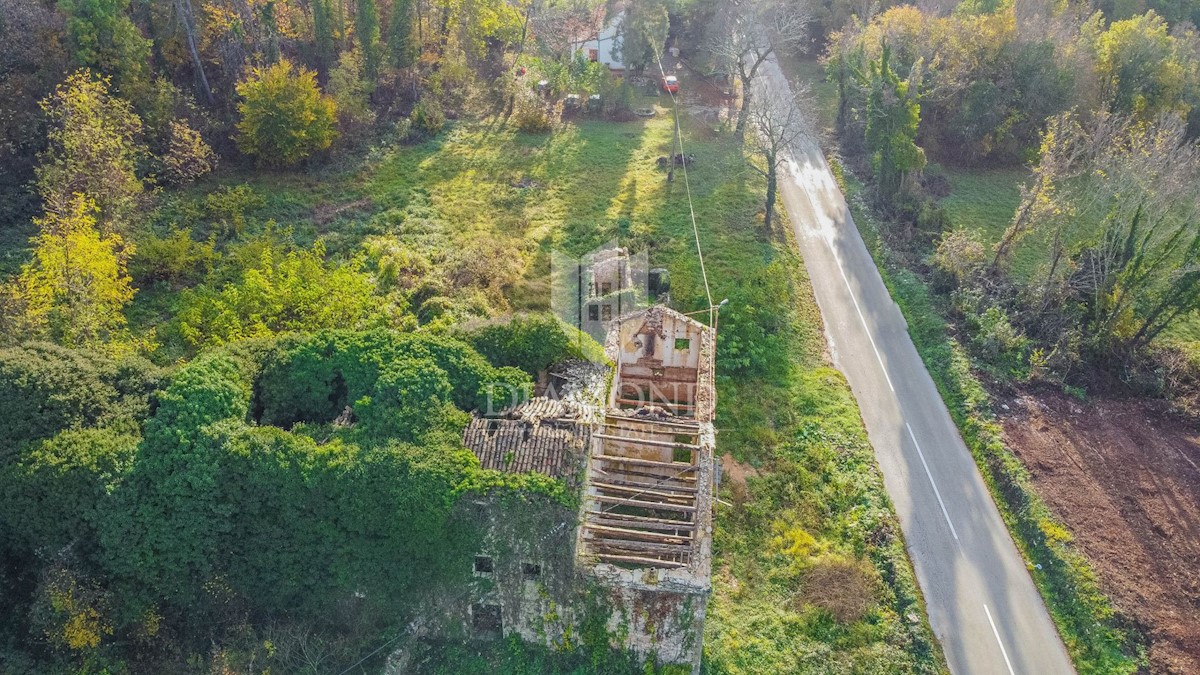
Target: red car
{"x":670,"y":83}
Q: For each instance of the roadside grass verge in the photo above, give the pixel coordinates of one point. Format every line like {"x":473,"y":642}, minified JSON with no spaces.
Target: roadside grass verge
{"x":1096,"y":636}
{"x":805,"y":506}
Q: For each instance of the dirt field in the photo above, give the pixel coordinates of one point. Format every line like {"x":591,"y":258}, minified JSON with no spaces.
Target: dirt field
{"x":1127,"y":483}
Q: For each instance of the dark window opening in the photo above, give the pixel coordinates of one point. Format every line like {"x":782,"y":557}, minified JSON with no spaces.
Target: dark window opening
{"x":486,"y":617}
{"x":483,"y":563}
{"x":683,"y":344}
{"x":605,"y":287}
{"x":531,"y":570}
{"x":606,"y":313}
{"x":593,"y":55}
{"x":681,"y":455}
{"x":593,"y":313}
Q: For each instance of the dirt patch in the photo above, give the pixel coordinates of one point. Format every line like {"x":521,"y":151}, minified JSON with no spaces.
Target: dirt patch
{"x":1126,"y":481}
{"x":735,"y":472}
{"x":326,"y":213}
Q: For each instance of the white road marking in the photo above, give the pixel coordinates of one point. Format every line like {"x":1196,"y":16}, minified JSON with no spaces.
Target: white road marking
{"x":936,"y":493}
{"x":999,"y":641}
{"x":861,"y":318}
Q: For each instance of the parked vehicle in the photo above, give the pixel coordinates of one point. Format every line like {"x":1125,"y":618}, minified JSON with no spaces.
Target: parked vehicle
{"x":670,"y":83}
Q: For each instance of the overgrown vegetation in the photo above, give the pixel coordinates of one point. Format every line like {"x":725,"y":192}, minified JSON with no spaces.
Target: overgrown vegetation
{"x":241,"y":487}
{"x":1072,"y":280}
{"x":242,"y":451}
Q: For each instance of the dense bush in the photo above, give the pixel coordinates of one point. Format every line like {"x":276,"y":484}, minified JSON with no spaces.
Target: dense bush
{"x":314,"y":378}
{"x":531,"y":342}
{"x":45,"y":389}
{"x":285,"y":117}
{"x":406,"y":399}
{"x":281,"y":291}
{"x":175,"y":258}
{"x":54,"y":494}
{"x":427,"y":117}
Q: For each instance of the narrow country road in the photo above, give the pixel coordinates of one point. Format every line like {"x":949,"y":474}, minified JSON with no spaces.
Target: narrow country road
{"x":982,"y":603}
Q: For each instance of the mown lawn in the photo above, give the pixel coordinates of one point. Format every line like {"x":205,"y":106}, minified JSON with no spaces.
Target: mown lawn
{"x":812,"y":508}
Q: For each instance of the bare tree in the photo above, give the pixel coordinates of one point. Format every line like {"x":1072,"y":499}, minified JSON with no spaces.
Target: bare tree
{"x":778,"y":122}
{"x":183,"y":9}
{"x":748,"y":32}
{"x":1117,"y":204}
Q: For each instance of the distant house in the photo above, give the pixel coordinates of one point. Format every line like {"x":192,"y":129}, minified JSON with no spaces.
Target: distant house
{"x":603,"y":44}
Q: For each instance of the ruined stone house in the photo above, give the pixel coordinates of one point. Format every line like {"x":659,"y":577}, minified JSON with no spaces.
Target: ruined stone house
{"x":636,"y":439}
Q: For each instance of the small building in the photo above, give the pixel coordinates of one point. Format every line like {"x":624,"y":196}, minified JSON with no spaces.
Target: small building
{"x":602,"y":45}
{"x":636,"y":438}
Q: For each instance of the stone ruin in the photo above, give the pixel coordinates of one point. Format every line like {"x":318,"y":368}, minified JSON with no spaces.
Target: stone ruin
{"x":636,"y":439}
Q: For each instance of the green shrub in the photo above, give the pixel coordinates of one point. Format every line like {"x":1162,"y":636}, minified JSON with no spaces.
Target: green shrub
{"x":53,"y":496}
{"x":427,"y":117}
{"x":285,"y":117}
{"x":188,"y":157}
{"x":404,"y":400}
{"x":45,"y":389}
{"x":313,"y":378}
{"x":213,"y":388}
{"x":531,"y":342}
{"x":176,"y":259}
{"x":281,"y":292}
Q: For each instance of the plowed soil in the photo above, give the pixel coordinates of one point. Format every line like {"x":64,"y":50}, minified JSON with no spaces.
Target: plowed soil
{"x":1126,"y":481}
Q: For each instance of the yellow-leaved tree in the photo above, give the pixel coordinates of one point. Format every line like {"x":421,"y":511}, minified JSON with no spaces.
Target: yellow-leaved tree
{"x":75,"y":289}
{"x":285,"y":117}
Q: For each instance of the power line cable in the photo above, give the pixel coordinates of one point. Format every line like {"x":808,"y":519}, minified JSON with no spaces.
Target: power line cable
{"x":683,"y":161}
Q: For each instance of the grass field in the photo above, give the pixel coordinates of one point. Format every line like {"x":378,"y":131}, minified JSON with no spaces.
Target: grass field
{"x":806,"y":508}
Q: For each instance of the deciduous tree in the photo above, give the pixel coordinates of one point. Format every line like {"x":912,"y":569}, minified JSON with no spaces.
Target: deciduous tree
{"x":747,"y":33}
{"x":285,"y":117}
{"x":75,"y":289}
{"x":94,"y":150}
{"x":101,"y":36}
{"x":778,"y":122}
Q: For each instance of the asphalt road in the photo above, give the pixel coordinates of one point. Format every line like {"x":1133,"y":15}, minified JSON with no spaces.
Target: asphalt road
{"x":982,"y":604}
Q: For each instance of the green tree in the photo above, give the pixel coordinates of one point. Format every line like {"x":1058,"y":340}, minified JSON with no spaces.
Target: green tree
{"x":1139,"y":63}
{"x":366,"y":25}
{"x":75,"y":289}
{"x":94,"y":150}
{"x":323,"y":37}
{"x":285,"y":117}
{"x":101,"y":36}
{"x":351,"y":92}
{"x":401,"y":42}
{"x":643,"y":33}
{"x":893,"y":115}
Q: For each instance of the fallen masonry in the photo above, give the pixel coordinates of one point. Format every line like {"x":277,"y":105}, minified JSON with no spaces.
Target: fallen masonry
{"x":637,"y":440}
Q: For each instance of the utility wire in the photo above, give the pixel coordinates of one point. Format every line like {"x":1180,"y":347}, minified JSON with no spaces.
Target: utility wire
{"x":686,"y":184}
{"x":415,"y":624}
